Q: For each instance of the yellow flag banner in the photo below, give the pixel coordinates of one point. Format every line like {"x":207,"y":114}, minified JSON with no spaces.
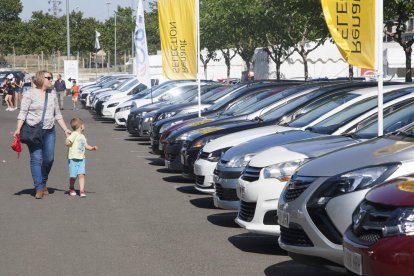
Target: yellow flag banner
{"x":177,"y":21}
{"x":352,"y":26}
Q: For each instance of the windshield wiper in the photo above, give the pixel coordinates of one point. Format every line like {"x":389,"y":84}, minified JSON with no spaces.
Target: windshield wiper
{"x":259,"y":119}
{"x":403,"y":133}
{"x":351,"y":135}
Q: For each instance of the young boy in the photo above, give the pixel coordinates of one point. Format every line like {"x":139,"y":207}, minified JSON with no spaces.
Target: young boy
{"x":76,"y":154}
{"x":75,"y":93}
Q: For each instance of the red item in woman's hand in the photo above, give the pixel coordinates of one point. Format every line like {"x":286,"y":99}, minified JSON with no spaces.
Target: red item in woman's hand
{"x":16,"y":145}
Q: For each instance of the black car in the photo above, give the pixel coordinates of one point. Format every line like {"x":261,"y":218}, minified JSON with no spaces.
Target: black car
{"x":231,"y":95}
{"x":191,"y":147}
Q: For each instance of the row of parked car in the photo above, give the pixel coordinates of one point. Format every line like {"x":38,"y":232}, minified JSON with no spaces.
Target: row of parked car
{"x":299,"y":160}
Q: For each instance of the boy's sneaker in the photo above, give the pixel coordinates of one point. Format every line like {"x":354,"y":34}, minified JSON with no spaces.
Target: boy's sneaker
{"x":82,"y":194}
{"x":72,"y":192}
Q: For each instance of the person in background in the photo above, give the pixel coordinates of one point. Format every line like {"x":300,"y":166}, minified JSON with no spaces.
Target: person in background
{"x":60,"y":87}
{"x":19,"y":90}
{"x":9,"y":88}
{"x":75,"y":93}
{"x":31,"y":110}
{"x":77,"y":144}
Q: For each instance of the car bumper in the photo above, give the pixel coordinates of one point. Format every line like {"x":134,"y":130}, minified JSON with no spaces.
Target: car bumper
{"x":300,"y":235}
{"x":203,"y":170}
{"x":121,"y":117}
{"x":108,"y":112}
{"x":188,"y":158}
{"x":155,"y":145}
{"x":144,"y":130}
{"x":388,"y":256}
{"x":172,"y":156}
{"x":259,"y":200}
{"x":225,"y":187}
{"x":132,"y":125}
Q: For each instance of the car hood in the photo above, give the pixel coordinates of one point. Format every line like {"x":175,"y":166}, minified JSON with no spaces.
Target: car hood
{"x":372,"y":152}
{"x":397,"y":192}
{"x":179,"y":106}
{"x":119,"y":100}
{"x":263,"y":143}
{"x":244,"y":136}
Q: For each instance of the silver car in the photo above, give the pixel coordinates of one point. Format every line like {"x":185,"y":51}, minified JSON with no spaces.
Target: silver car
{"x":316,"y":205}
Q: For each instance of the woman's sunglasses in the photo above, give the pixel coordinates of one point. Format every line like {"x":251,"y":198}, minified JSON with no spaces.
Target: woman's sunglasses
{"x":49,"y":78}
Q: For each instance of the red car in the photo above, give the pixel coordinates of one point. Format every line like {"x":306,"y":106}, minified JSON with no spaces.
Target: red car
{"x":380,"y":240}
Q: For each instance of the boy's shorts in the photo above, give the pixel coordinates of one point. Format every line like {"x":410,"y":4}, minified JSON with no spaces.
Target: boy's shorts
{"x":74,"y":98}
{"x":76,"y":167}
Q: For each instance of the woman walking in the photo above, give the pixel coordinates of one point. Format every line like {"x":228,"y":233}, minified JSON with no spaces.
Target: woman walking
{"x":32,"y":106}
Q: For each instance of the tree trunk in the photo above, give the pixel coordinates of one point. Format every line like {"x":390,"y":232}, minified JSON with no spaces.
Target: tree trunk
{"x":351,"y":72}
{"x":305,"y":65}
{"x":408,"y":77}
{"x":278,"y":64}
{"x":205,"y":70}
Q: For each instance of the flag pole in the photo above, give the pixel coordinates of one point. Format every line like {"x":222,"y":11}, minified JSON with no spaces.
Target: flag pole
{"x":379,"y":30}
{"x":198,"y":54}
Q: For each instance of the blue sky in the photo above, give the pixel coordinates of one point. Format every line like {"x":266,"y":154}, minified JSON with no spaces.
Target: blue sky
{"x":90,"y":8}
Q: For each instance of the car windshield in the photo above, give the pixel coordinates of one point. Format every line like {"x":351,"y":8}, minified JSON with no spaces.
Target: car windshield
{"x":160,"y":91}
{"x":229,"y":95}
{"x":392,"y":122}
{"x":109,"y":83}
{"x":205,"y":93}
{"x":249,"y":100}
{"x":128,"y":85}
{"x":339,"y":119}
{"x":280,"y":110}
{"x":215,"y":94}
{"x":321,"y":107}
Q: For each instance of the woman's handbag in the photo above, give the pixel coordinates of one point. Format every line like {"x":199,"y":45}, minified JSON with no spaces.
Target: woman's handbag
{"x":33,"y":135}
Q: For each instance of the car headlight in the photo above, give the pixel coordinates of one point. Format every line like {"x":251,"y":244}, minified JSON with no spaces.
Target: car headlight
{"x":169,"y":114}
{"x":148,"y":119}
{"x":165,"y":126}
{"x":214,"y":156}
{"x":352,"y":181}
{"x":400,"y":221}
{"x":112,"y":105}
{"x":183,"y":137}
{"x":127,"y":107}
{"x":282,"y":171}
{"x":200,"y":142}
{"x":240,"y":161}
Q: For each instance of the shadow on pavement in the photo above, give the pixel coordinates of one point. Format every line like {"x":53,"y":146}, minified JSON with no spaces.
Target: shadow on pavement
{"x":31,"y":191}
{"x":134,"y":139}
{"x":294,"y":268}
{"x":145,"y":143}
{"x":262,"y":244}
{"x":176,"y":179}
{"x":204,"y":203}
{"x":224,"y":219}
{"x":189,"y":190}
{"x":156,"y":161}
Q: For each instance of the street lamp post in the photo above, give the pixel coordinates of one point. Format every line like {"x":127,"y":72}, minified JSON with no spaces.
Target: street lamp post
{"x":115,"y":44}
{"x":67,"y":29}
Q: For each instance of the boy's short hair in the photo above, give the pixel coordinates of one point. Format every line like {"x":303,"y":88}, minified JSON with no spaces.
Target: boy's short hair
{"x":76,"y":123}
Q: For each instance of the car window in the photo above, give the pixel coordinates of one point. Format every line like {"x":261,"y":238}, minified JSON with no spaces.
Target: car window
{"x":319,"y":108}
{"x":392,"y":121}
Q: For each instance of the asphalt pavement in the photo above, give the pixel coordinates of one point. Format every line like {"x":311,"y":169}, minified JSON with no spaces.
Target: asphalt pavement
{"x":138,"y":218}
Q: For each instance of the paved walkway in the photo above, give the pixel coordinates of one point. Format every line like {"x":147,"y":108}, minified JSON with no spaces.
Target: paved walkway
{"x":138,"y":219}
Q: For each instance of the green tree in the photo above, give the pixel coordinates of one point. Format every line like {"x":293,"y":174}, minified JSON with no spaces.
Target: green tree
{"x":306,"y":25}
{"x":10,"y":24}
{"x":396,"y":15}
{"x":152,"y":29}
{"x":82,"y":33}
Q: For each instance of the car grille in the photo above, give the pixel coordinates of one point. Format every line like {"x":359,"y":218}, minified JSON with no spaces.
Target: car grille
{"x":226,"y":194}
{"x":373,"y":218}
{"x":246,"y":211}
{"x":200,"y":179}
{"x":294,"y":235}
{"x":296,"y":186}
{"x":203,"y":155}
{"x":251,"y":174}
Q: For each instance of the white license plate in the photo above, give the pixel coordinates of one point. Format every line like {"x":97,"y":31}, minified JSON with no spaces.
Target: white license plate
{"x":167,"y":163}
{"x":283,"y":218}
{"x":215,"y":200}
{"x":182,"y":159}
{"x":353,"y":261}
{"x":160,"y":146}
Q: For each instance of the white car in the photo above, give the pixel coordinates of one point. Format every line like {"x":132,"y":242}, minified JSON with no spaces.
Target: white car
{"x":315,"y":207}
{"x":264,"y":178}
{"x":204,"y":168}
{"x":165,"y":93}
